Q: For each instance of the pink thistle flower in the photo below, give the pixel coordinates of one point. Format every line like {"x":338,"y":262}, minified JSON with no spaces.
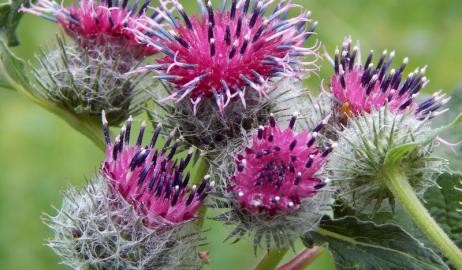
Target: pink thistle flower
{"x":148,"y":179}
{"x":221,"y":54}
{"x":361,"y":88}
{"x":277,"y":172}
{"x":98,"y":23}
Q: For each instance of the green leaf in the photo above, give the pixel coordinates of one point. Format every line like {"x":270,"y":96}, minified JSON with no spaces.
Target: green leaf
{"x":9,"y":20}
{"x":444,"y":202}
{"x":13,"y":73}
{"x":396,"y":154}
{"x":399,"y":217}
{"x":357,"y":244}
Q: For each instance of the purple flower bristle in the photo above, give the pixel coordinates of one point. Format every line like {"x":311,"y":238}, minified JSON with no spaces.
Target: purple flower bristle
{"x":277,"y":171}
{"x":364,"y":87}
{"x":223,"y":53}
{"x":150,"y":180}
{"x":99,"y":22}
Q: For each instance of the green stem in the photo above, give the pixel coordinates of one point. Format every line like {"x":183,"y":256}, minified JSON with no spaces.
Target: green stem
{"x":304,"y":259}
{"x":399,"y":185}
{"x":271,"y":259}
{"x":87,"y":127}
{"x":201,"y":169}
{"x":4,"y":85}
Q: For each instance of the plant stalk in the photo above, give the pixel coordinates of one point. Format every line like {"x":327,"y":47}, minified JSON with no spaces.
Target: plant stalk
{"x":271,"y":259}
{"x":202,"y":168}
{"x":90,"y":129}
{"x":399,"y":185}
{"x":303,"y":259}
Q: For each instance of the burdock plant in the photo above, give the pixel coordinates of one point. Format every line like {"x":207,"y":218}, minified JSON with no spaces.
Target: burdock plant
{"x":386,"y":147}
{"x":237,"y":137}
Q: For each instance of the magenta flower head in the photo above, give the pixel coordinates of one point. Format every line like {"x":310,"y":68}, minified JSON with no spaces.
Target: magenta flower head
{"x":220,"y":54}
{"x":150,"y":180}
{"x":274,"y":189}
{"x":137,"y":214}
{"x":277,"y":172}
{"x":98,"y":23}
{"x":90,"y":73}
{"x":362,"y":88}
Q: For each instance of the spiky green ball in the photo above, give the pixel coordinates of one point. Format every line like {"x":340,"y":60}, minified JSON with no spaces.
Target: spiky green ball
{"x":86,"y":81}
{"x":365,"y":147}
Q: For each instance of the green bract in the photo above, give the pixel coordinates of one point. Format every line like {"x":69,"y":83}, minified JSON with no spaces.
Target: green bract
{"x":369,"y":144}
{"x":86,"y":81}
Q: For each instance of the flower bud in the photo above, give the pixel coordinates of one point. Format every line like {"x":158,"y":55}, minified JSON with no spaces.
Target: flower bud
{"x":95,"y":228}
{"x":207,"y":130}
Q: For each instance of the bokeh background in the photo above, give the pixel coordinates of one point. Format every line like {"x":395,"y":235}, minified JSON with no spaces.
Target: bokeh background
{"x":40,"y":155}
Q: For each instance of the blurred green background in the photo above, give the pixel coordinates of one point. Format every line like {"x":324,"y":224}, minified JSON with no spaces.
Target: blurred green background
{"x":40,"y":155}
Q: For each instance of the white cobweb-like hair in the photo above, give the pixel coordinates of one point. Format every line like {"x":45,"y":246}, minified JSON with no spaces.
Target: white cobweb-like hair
{"x":213,"y":132}
{"x":86,"y":81}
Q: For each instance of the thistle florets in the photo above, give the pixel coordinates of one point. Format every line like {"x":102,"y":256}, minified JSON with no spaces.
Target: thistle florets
{"x":224,"y":54}
{"x":137,"y":215}
{"x":99,"y":23}
{"x":359,"y":87}
{"x":272,"y":193}
{"x":151,"y":180}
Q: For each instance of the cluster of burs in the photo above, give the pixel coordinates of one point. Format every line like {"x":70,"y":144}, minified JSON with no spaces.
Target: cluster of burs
{"x":233,"y":128}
